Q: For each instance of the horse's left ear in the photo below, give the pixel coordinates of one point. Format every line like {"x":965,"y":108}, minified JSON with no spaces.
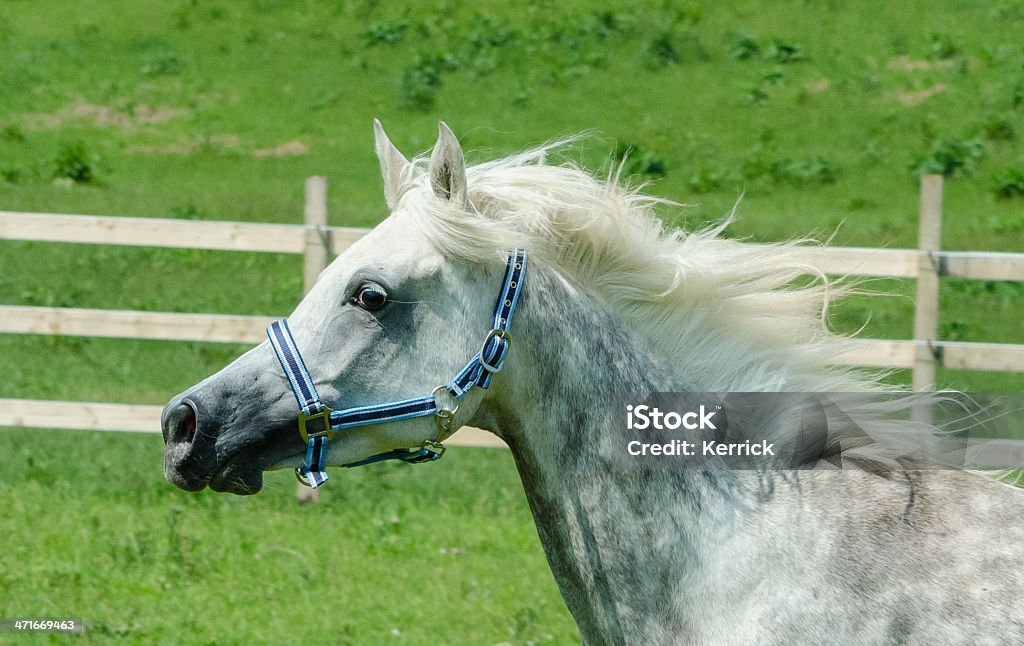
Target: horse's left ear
{"x":393,"y":165}
{"x":448,"y":168}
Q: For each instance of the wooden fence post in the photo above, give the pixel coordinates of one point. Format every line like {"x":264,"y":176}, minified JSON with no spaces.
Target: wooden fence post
{"x":314,"y":260}
{"x":926,"y":314}
{"x":315,"y":218}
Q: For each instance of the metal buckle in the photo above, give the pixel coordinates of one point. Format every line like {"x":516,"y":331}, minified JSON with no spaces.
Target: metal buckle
{"x":327,"y":431}
{"x":496,"y":333}
{"x":436,"y":450}
{"x":444,"y":416}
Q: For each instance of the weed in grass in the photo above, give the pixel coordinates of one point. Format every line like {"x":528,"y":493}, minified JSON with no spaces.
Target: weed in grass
{"x":660,"y":51}
{"x":181,"y":19}
{"x":10,"y":176}
{"x":607,"y":24}
{"x":390,"y":33}
{"x":636,"y":160}
{"x":486,"y":32}
{"x":744,"y":48}
{"x":1002,"y":225}
{"x":999,"y":129}
{"x":521,"y":98}
{"x":949,"y":157}
{"x":814,"y":170}
{"x":774,"y":77}
{"x":765,"y":162}
{"x":709,"y":180}
{"x":12,"y":132}
{"x":161,"y":63}
{"x":1009,"y":182}
{"x":523,"y":622}
{"x":779,"y":51}
{"x":941,"y":47}
{"x":858,"y":203}
{"x":419,"y":84}
{"x":954,"y":330}
{"x":187,"y":212}
{"x":755,"y":95}
{"x":74,"y":162}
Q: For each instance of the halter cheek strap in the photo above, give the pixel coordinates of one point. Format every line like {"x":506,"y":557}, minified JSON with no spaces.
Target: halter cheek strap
{"x":318,"y":423}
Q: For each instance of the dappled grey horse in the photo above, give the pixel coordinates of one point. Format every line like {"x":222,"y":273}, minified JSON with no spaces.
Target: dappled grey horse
{"x":408,"y":336}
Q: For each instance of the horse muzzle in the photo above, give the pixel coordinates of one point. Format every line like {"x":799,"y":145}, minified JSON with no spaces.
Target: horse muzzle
{"x":197,"y":455}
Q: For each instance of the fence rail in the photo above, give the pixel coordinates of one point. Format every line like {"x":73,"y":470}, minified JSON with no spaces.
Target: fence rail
{"x":316,"y":241}
{"x":224,"y":328}
{"x":291,"y":239}
{"x":139,"y":418}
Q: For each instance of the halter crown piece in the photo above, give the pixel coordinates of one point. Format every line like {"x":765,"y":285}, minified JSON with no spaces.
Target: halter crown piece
{"x":318,"y":423}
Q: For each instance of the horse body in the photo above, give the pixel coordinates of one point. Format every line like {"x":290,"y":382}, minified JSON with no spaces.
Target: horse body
{"x":738,"y":557}
{"x":617,"y":307}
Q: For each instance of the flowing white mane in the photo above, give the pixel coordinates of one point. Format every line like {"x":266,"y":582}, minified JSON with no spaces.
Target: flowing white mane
{"x":732,"y":316}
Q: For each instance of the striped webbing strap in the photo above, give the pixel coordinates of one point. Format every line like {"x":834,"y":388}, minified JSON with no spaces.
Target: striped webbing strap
{"x":318,"y":423}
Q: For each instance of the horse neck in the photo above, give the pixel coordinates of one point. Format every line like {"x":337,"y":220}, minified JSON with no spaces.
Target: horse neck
{"x":610,"y":533}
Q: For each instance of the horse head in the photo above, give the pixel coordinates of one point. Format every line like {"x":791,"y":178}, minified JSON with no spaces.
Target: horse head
{"x":389,"y":321}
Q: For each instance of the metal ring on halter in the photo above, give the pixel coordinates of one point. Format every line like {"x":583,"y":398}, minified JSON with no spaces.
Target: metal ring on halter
{"x":444,"y":416}
{"x":496,"y":333}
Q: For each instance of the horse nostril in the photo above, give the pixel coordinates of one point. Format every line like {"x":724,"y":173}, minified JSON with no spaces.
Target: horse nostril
{"x":182,"y":424}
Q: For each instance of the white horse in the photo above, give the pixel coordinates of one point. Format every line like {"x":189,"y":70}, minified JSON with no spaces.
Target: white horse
{"x":616,"y":307}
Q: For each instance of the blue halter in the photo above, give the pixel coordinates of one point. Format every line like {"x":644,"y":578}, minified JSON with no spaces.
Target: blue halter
{"x":318,"y":423}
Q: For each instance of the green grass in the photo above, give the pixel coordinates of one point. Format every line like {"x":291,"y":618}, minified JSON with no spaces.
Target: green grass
{"x":443,"y":554}
{"x":815,"y":112}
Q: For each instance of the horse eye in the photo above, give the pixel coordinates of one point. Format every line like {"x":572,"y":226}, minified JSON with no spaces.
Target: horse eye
{"x":371,"y":298}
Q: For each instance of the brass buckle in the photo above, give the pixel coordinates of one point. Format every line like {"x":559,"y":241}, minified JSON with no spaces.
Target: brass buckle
{"x":326,"y":431}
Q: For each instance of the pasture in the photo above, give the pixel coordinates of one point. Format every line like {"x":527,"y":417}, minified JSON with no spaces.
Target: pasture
{"x":817,"y":114}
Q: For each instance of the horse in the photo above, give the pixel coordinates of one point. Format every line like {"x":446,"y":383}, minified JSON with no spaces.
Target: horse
{"x":854,"y":543}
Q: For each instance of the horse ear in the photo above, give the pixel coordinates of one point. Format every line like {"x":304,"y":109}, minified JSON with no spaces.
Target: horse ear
{"x":448,"y":168}
{"x":393,"y":165}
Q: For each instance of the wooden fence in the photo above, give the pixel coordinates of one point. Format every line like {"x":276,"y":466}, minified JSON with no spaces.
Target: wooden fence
{"x":317,"y":241}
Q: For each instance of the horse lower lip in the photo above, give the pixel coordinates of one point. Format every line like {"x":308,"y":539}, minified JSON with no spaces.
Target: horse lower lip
{"x":184,"y":481}
{"x":232,"y":479}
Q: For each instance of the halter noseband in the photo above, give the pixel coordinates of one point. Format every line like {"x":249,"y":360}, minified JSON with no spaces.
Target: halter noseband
{"x":318,"y":423}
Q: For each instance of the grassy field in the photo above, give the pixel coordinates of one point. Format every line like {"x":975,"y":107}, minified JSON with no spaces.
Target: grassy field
{"x":821,"y":114}
{"x":444,"y":554}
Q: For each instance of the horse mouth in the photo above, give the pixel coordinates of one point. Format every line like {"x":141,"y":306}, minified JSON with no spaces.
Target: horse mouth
{"x":235,"y":475}
{"x":240,"y":479}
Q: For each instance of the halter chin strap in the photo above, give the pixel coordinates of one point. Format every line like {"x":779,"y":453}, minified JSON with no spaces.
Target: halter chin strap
{"x":318,"y":423}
